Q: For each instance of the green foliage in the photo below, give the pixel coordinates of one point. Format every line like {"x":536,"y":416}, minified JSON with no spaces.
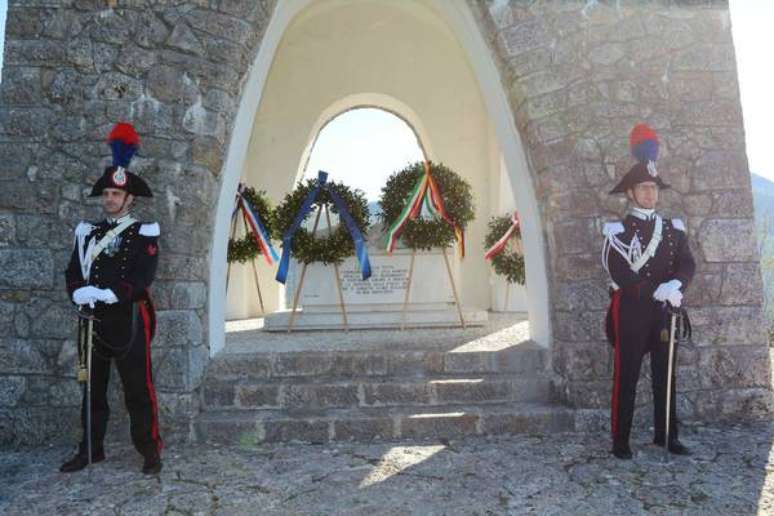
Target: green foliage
{"x":426,"y":234}
{"x":510,"y":262}
{"x":336,"y":246}
{"x":245,"y":249}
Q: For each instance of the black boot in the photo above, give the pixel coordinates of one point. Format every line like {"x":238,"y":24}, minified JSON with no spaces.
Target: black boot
{"x":81,"y":460}
{"x":152,"y":464}
{"x":622,"y":451}
{"x":675,"y":446}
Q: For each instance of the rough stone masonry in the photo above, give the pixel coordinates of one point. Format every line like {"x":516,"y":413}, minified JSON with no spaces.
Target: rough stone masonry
{"x":578,"y":75}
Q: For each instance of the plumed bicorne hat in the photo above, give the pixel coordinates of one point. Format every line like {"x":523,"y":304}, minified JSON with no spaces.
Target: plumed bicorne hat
{"x":643,"y":143}
{"x":124,"y":142}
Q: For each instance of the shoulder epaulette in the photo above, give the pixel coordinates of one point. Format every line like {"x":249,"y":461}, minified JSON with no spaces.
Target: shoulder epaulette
{"x":83,"y":229}
{"x":150,"y":229}
{"x":678,"y":225}
{"x":612,"y":228}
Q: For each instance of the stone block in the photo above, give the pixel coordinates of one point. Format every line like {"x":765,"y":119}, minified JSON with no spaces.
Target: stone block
{"x":34,"y":425}
{"x":240,"y":366}
{"x":209,"y":22}
{"x":178,"y":328}
{"x":359,"y":364}
{"x":64,"y":392}
{"x":742,"y":285}
{"x":735,"y":404}
{"x":732,"y":368}
{"x":578,"y":267}
{"x":450,"y":425}
{"x":219,"y":394}
{"x":581,"y":295}
{"x":396,"y":393}
{"x":232,"y":431}
{"x":415,"y":363}
{"x":525,"y":362}
{"x":592,"y":420}
{"x":476,"y":390}
{"x":728,"y":240}
{"x":258,"y":396}
{"x":21,"y":356}
{"x":183,"y":38}
{"x":135,"y":61}
{"x":576,"y":236}
{"x":318,"y":396}
{"x":313,"y":431}
{"x":11,"y":390}
{"x":720,"y":170}
{"x":469,"y":362}
{"x":167,"y":84}
{"x":583,"y":361}
{"x":540,"y":422}
{"x":530,"y":34}
{"x":170,"y":368}
{"x":149,"y":31}
{"x":728,"y":326}
{"x":301,"y":364}
{"x":365,"y":429}
{"x":21,"y":86}
{"x":584,"y":326}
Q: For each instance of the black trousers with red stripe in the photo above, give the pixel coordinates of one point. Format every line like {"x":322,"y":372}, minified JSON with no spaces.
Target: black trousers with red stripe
{"x":637,"y":329}
{"x":133,"y":363}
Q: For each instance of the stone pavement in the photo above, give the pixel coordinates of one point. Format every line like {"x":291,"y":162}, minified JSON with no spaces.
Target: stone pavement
{"x":730,"y":472}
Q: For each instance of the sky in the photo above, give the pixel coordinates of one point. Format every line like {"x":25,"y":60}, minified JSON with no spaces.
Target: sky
{"x":361,"y":147}
{"x":752,"y":24}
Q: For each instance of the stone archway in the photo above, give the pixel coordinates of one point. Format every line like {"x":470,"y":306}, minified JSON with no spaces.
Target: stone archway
{"x":459,"y":20}
{"x":567,"y":80}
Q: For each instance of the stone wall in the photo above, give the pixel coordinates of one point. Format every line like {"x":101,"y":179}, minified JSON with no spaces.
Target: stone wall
{"x":72,"y":69}
{"x":578,"y":77}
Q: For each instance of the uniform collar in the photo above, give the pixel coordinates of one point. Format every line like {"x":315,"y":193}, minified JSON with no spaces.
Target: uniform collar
{"x":114,"y":222}
{"x":642,"y":213}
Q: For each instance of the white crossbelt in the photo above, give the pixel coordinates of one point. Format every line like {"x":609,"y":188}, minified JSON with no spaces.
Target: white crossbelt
{"x":88,"y":253}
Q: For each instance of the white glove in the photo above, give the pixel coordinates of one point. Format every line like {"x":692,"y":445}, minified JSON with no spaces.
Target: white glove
{"x":675,"y":298}
{"x":663,"y":290}
{"x":85,"y":295}
{"x":106,"y":296}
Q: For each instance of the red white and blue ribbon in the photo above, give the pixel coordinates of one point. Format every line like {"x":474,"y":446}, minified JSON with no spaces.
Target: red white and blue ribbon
{"x":257,"y":229}
{"x":357,"y":237}
{"x":498,"y":246}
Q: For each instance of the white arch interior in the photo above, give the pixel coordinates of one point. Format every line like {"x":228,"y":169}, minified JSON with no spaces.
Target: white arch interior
{"x":452,"y":16}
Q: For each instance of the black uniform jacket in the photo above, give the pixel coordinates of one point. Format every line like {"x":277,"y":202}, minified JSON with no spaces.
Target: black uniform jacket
{"x":127,"y":267}
{"x":673,"y":260}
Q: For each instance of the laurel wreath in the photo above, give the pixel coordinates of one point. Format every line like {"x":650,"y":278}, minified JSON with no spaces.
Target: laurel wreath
{"x":421,"y":233}
{"x":335,"y":246}
{"x":245,"y":249}
{"x":510,"y":262}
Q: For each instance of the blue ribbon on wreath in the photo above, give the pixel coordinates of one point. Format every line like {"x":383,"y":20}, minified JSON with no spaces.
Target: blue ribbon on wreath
{"x":357,"y":237}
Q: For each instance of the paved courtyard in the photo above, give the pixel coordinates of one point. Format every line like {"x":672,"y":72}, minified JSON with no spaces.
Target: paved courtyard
{"x":730,"y":472}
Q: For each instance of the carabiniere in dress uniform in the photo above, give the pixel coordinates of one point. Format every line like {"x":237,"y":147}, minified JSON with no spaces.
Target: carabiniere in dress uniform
{"x":650,"y":266}
{"x":111,"y":269}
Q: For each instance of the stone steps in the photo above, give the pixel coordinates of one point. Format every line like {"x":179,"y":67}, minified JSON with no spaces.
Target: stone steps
{"x":522,"y":359}
{"x":363,"y":392}
{"x":373,"y":424}
{"x":378,"y":386}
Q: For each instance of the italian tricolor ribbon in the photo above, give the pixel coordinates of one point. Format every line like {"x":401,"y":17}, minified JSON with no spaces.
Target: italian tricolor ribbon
{"x":498,"y":246}
{"x":426,"y":191}
{"x":257,"y":229}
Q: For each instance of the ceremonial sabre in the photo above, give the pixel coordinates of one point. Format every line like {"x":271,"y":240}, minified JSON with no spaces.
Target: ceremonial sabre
{"x":670,"y":369}
{"x":84,"y":369}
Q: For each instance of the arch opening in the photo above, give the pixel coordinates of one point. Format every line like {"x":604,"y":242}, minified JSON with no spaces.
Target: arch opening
{"x":502,"y":150}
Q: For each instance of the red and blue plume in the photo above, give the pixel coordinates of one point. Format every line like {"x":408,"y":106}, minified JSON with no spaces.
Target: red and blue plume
{"x":643,"y":143}
{"x":124,"y":142}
